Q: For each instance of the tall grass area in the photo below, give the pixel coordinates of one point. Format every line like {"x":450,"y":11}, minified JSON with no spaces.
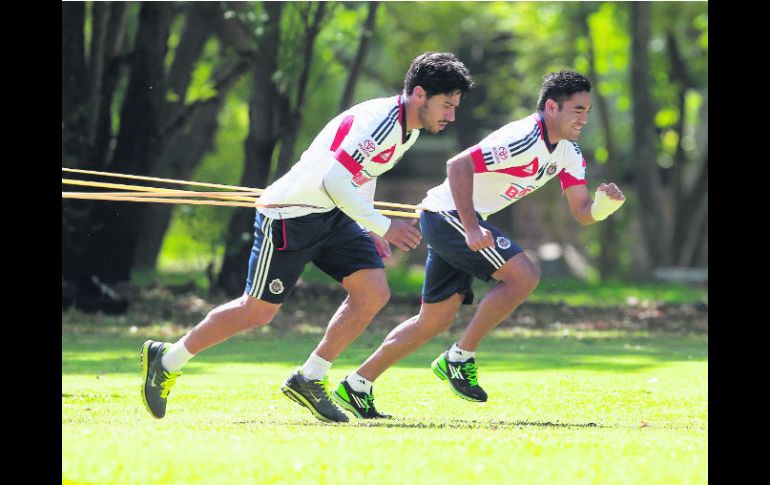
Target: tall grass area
{"x":592,"y":408}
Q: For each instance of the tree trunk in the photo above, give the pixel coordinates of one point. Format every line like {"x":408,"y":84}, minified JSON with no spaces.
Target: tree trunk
{"x":264,"y":120}
{"x":363,"y":48}
{"x":115,"y":226}
{"x":87,"y":90}
{"x":654,"y":222}
{"x":609,"y":258}
{"x":113,"y":63}
{"x":293,"y":121}
{"x":74,"y":81}
{"x":690,"y":203}
{"x":185,"y":147}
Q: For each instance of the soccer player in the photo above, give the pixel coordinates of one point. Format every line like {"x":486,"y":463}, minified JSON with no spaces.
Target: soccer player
{"x":320,"y":211}
{"x":507,"y":165}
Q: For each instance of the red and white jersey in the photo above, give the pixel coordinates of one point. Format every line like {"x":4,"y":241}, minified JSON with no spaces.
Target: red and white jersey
{"x":349,"y":153}
{"x":511,"y":163}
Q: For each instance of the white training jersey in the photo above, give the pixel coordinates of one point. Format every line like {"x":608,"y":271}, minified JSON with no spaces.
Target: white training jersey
{"x":511,"y":163}
{"x":341,"y":165}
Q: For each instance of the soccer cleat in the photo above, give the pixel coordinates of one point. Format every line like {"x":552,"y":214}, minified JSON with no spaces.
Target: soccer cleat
{"x":462,"y":377}
{"x":314,"y":395}
{"x":360,"y":404}
{"x":157,"y":380}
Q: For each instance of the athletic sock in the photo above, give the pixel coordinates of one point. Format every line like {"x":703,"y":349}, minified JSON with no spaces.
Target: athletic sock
{"x":315,"y":367}
{"x":176,"y":357}
{"x":358,"y":383}
{"x":456,"y":354}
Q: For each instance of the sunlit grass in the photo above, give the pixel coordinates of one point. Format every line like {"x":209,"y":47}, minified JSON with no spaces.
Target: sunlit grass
{"x":589,"y":408}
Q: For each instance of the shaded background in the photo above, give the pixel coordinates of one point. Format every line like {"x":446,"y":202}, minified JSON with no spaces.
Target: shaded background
{"x":233,"y":92}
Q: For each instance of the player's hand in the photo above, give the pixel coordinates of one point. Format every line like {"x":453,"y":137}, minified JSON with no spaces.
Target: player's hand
{"x":403,"y":235}
{"x":383,"y":246}
{"x":608,"y":199}
{"x":612,"y":191}
{"x":479,"y":238}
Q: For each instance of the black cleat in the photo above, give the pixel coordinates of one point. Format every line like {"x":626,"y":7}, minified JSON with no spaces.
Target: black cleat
{"x":360,"y":404}
{"x":157,"y":380}
{"x":313,"y":395}
{"x":462,"y":377}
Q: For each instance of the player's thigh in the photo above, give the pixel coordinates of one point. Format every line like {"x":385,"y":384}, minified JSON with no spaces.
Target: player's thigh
{"x":446,"y":235}
{"x":277,"y":258}
{"x":519,"y":270}
{"x":443,"y":280}
{"x":347,"y":253}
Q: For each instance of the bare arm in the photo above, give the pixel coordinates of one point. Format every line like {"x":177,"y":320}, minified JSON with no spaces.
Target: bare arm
{"x":460,"y":174}
{"x":587,"y":211}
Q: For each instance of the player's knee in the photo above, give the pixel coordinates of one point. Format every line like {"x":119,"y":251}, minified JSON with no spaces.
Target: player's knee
{"x":532,"y":278}
{"x":521,"y":273}
{"x":380,"y":296}
{"x":257,"y":313}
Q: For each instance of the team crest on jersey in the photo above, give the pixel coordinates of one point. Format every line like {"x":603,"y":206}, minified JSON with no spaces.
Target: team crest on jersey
{"x":501,"y":153}
{"x":384,"y":156}
{"x":503,"y":243}
{"x":550,"y":170}
{"x":276,"y":287}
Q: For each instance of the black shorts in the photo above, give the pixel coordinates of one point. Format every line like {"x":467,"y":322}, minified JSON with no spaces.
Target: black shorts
{"x":282,"y":248}
{"x":451,"y":264}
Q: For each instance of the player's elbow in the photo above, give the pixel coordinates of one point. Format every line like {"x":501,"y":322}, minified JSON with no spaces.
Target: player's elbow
{"x":459,"y":165}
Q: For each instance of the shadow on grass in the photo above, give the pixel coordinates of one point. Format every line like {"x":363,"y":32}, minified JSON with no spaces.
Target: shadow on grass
{"x":114,"y":354}
{"x":444,"y":424}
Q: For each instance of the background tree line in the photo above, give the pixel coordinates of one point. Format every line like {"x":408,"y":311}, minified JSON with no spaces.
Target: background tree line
{"x":233,"y":92}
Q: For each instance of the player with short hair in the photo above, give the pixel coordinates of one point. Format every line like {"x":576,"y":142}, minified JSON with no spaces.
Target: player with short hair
{"x":504,"y":167}
{"x":320,"y":211}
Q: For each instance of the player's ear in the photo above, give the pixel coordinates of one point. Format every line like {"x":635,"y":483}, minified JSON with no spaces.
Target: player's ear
{"x":419,"y":93}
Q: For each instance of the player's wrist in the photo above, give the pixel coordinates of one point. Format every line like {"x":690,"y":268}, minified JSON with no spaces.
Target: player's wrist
{"x":603,"y":206}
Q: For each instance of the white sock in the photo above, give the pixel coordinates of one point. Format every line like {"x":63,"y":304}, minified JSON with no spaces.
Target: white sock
{"x":176,"y":357}
{"x":315,"y":367}
{"x":359,"y":384}
{"x":456,"y":354}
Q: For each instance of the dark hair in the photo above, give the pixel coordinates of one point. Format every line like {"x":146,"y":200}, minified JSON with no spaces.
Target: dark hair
{"x":559,"y":86}
{"x":438,"y":73}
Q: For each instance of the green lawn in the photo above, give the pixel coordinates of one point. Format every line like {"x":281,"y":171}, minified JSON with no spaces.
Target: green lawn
{"x":588,"y":408}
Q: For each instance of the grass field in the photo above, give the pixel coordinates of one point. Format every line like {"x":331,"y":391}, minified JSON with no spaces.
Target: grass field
{"x":577,"y":408}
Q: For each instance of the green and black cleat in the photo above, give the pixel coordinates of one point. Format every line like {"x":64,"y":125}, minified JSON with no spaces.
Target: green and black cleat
{"x":157,"y":380}
{"x":360,"y":404}
{"x":462,"y":377}
{"x":314,"y":395}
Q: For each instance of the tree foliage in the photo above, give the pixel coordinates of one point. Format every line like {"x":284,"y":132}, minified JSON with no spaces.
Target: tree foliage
{"x":233,"y":92}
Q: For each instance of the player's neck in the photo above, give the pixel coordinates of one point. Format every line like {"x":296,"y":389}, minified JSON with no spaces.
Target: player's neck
{"x":550,"y":136}
{"x":411,"y":117}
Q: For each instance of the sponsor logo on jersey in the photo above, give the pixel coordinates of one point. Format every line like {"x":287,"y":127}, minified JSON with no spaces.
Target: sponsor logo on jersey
{"x":276,"y":287}
{"x":503,"y":243}
{"x":515,"y":192}
{"x":367,"y":146}
{"x":385,"y":155}
{"x":530,"y":168}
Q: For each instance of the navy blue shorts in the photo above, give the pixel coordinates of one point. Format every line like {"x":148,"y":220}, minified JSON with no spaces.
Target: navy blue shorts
{"x":282,"y":248}
{"x":451,"y":264}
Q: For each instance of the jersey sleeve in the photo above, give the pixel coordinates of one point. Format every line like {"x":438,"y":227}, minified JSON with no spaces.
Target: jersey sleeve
{"x":575,"y":171}
{"x":337,"y":184}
